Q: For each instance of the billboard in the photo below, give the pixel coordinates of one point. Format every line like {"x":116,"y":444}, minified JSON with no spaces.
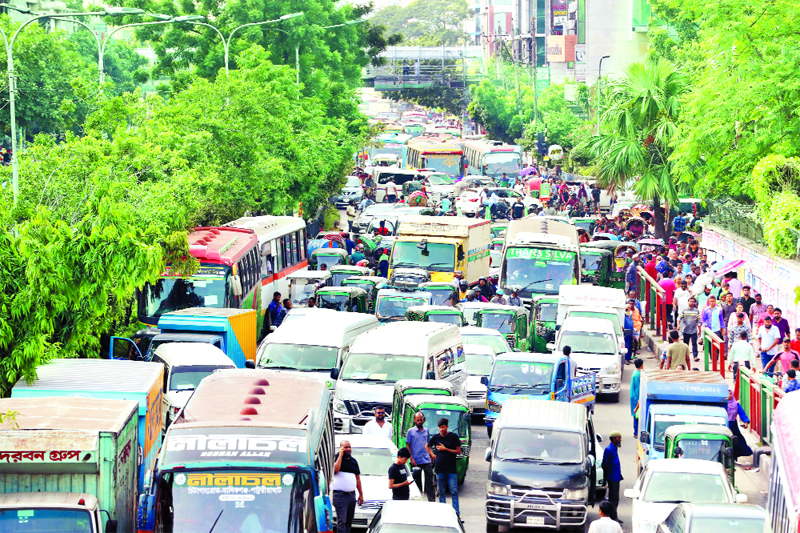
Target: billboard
{"x":580,"y":63}
{"x":561,"y":48}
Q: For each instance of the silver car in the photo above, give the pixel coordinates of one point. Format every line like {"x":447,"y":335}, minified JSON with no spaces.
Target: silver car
{"x":398,"y":516}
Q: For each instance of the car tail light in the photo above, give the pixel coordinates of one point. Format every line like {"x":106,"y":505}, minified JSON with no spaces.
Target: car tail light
{"x":472,"y":199}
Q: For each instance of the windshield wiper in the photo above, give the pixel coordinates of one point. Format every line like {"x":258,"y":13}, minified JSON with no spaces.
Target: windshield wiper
{"x":404,"y":265}
{"x":364,"y":380}
{"x":668,"y":501}
{"x":446,"y":265}
{"x":278,"y":367}
{"x":215,"y":521}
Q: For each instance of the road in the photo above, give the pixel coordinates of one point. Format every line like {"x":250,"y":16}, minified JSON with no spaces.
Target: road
{"x":608,"y":417}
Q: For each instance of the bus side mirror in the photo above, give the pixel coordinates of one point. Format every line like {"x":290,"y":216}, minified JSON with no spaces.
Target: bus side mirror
{"x":250,"y":364}
{"x":334,"y":373}
{"x":644,"y":437}
{"x":236,"y":285}
{"x":111,"y":526}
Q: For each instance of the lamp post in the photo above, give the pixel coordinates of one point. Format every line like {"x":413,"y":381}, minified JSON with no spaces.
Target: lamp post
{"x":599,"y":81}
{"x":12,"y":86}
{"x":165,"y":19}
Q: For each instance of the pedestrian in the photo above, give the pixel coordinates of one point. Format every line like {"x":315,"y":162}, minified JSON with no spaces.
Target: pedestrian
{"x":741,"y":352}
{"x":378,"y":425}
{"x":769,"y":313}
{"x":312,"y":301}
{"x":679,"y":224}
{"x":757,"y":310}
{"x":689,"y":325}
{"x":712,"y":318}
{"x":446,"y":446}
{"x":514,"y":299}
{"x":734,"y":285}
{"x":351,"y":214}
{"x":791,"y":384}
{"x":728,"y":307}
{"x":636,"y":379}
{"x":678,"y":352}
{"x":605,"y":524}
{"x":383,"y":263}
{"x":348,"y":243}
{"x":417,"y":438}
{"x":503,"y":181}
{"x":518,"y":209}
{"x":737,"y":326}
{"x":770,"y":338}
{"x":391,"y":191}
{"x":287,"y":306}
{"x":785,"y":357}
{"x":735,"y":412}
{"x":781,"y":323}
{"x":631,"y":276}
{"x":650,"y":267}
{"x":669,"y":288}
{"x":274,"y":307}
{"x":796,"y":341}
{"x":596,"y":199}
{"x":399,"y":476}
{"x":358,"y":254}
{"x":746,"y":300}
{"x":346,"y":480}
{"x":612,"y":473}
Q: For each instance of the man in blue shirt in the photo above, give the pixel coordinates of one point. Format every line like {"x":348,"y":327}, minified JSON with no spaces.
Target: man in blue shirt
{"x":274,"y":307}
{"x":635,"y":382}
{"x":679,"y":223}
{"x":349,"y":244}
{"x":631,"y":277}
{"x":612,"y":471}
{"x":417,"y":439}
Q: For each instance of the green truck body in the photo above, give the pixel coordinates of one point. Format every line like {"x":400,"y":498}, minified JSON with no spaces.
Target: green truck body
{"x":72,"y":445}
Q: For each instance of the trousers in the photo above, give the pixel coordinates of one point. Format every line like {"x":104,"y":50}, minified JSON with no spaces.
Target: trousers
{"x":687,"y":337}
{"x":448,"y":481}
{"x":613,"y":497}
{"x":345,"y":505}
{"x":430,"y":489}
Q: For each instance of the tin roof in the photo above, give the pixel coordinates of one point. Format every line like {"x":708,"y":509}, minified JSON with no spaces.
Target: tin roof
{"x":57,"y":413}
{"x":92,"y":375}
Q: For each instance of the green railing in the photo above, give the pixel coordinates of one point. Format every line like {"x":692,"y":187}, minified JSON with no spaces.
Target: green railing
{"x":759,"y":395}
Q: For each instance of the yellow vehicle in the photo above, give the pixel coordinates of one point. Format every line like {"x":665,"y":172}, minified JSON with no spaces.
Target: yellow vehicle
{"x":445,"y":157}
{"x":442,"y":245}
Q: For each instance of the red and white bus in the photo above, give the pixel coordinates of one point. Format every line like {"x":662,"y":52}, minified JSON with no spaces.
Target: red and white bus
{"x":783,"y":499}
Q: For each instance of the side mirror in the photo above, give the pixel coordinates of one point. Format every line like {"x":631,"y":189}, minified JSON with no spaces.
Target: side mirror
{"x":249,"y":363}
{"x":728,"y":452}
{"x":236,"y":285}
{"x":334,"y":373}
{"x":631,"y":493}
{"x":741,"y":498}
{"x":488,"y":454}
{"x":485,"y":380}
{"x":430,"y":375}
{"x":111,"y":526}
{"x":550,"y":346}
{"x":558,"y":327}
{"x":644,"y":437}
{"x":678,"y":451}
{"x":599,"y":437}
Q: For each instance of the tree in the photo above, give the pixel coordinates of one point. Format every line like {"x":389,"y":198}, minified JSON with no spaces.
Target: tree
{"x":637,"y":131}
{"x":427,"y":22}
{"x":125,"y":68}
{"x":438,"y":96}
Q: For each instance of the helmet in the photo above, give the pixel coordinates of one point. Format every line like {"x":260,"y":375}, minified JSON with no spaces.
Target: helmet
{"x":500,"y":292}
{"x":463,"y":283}
{"x":470,"y":293}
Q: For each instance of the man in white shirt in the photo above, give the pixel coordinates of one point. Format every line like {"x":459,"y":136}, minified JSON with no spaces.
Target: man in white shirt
{"x":604,"y":524}
{"x":391,"y":191}
{"x":378,"y":425}
{"x":770,"y":337}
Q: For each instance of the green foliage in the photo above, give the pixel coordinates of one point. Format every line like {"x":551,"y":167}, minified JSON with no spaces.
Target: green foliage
{"x":10,"y":418}
{"x":437,"y":96}
{"x":427,"y":22}
{"x":124,"y":67}
{"x":99,"y":215}
{"x":776,"y":183}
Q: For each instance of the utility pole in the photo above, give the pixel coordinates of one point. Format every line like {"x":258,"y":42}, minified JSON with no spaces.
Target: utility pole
{"x":599,"y":82}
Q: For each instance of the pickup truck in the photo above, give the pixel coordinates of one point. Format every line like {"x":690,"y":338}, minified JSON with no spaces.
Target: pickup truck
{"x":668,"y":398}
{"x":537,"y":377}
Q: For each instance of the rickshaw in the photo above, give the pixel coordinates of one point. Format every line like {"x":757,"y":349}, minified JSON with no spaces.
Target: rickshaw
{"x":596,"y":265}
{"x":701,"y":441}
{"x":436,"y":313}
{"x":435,"y":407}
{"x":340,"y":273}
{"x":586,"y":223}
{"x":597,"y":237}
{"x":371,"y":284}
{"x":624,"y":213}
{"x":497,"y":244}
{"x":326,"y":239}
{"x":442,"y":292}
{"x":411,"y":187}
{"x":687,"y":236}
{"x":511,"y":321}
{"x":623,"y":257}
{"x":544,"y":312}
{"x":637,"y":226}
{"x":498,"y":228}
{"x":348,"y":299}
{"x":330,"y":257}
{"x":304,"y":284}
{"x":417,"y":199}
{"x":654,"y":246}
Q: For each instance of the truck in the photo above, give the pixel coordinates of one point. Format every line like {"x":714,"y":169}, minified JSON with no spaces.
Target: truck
{"x":252,"y":450}
{"x":70,"y":461}
{"x":539,"y":256}
{"x":669,"y":398}
{"x":103,"y":379}
{"x":231,"y":330}
{"x":537,"y":377}
{"x":442,"y":245}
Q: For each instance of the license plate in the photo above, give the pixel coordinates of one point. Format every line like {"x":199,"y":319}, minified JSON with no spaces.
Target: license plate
{"x":535,"y":506}
{"x":535,"y":520}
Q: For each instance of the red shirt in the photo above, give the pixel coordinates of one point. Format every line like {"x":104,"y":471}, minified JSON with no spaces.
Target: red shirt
{"x":795,"y":345}
{"x":650,"y":268}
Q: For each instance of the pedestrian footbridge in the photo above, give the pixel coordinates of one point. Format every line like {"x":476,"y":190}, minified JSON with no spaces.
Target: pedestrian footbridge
{"x":419,"y":67}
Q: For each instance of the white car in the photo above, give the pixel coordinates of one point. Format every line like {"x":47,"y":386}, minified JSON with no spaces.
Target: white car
{"x":438,"y":185}
{"x":483,"y":336}
{"x":469,"y":202}
{"x":423,"y":517}
{"x":665,"y":483}
{"x":479,"y":360}
{"x":375,"y":454}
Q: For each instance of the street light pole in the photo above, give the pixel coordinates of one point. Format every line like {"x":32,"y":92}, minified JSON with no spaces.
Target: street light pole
{"x":102,"y":46}
{"x":599,"y":81}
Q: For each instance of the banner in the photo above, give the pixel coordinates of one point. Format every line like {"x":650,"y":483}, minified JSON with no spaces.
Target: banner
{"x":580,"y":63}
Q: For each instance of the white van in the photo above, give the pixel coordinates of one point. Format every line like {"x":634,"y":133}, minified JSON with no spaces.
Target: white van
{"x":185,"y":365}
{"x":595,"y":349}
{"x":316,"y":342}
{"x":395,"y":351}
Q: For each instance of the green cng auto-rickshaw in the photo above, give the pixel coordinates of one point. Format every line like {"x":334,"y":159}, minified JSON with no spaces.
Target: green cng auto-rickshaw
{"x":443,"y":314}
{"x":409,"y":387}
{"x":348,"y":299}
{"x":596,"y":266}
{"x":441,"y":291}
{"x":586,"y":223}
{"x":701,"y":441}
{"x":497,"y":228}
{"x":340,"y":273}
{"x":511,"y":321}
{"x":304,"y":283}
{"x":544,"y":313}
{"x":371,"y":284}
{"x":436,"y":407}
{"x":330,"y":257}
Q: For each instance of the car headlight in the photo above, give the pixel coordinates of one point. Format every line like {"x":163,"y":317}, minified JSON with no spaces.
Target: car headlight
{"x":645,"y":526}
{"x":498,"y":489}
{"x":611,"y":370}
{"x":580,"y":494}
{"x":339,"y":406}
{"x":493,"y":406}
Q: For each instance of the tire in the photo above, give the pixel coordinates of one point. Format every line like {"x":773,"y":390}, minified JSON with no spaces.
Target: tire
{"x":492,"y":528}
{"x":614,"y":397}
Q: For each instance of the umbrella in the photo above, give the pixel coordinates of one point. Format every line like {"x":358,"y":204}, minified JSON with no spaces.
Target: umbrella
{"x":723,"y":267}
{"x":527,"y":170}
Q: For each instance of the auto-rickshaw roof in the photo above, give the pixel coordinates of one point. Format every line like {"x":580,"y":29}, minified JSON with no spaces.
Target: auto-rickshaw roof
{"x":330,"y":251}
{"x":419,"y":400}
{"x":437,"y":285}
{"x":428,"y":384}
{"x":309,"y":274}
{"x":348,"y":268}
{"x":596,"y":249}
{"x":698,"y":429}
{"x":352,"y":291}
{"x":500,"y":308}
{"x":436,"y":309}
{"x":377,"y":280}
{"x":623,"y":245}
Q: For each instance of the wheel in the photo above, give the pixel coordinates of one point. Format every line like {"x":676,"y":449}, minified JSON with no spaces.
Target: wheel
{"x":614,"y":397}
{"x":491,"y":528}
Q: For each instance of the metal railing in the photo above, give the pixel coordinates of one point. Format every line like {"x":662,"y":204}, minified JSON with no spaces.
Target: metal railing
{"x":714,"y":352}
{"x":758,"y":395}
{"x":655,"y":300}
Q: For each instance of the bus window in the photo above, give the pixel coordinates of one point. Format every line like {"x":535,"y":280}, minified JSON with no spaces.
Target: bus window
{"x":277,"y":256}
{"x":293,"y":240}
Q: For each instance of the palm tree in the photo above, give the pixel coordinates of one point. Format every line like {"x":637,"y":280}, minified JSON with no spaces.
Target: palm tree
{"x":637,"y":129}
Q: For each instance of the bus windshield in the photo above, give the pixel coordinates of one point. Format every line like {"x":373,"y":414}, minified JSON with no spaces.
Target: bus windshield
{"x":499,"y":162}
{"x":209,"y":288}
{"x":440,"y":257}
{"x":447,"y":163}
{"x":538,"y":270}
{"x":588,"y":342}
{"x":521,"y":375}
{"x":247,"y":501}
